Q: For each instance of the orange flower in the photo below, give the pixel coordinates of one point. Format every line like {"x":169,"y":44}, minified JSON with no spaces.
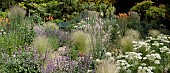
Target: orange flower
{"x":123,"y":15}
{"x":49,"y":18}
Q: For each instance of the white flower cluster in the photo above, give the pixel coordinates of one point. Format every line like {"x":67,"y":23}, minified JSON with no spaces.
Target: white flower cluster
{"x":160,"y":42}
{"x":164,"y":49}
{"x":123,"y":64}
{"x":156,"y":43}
{"x":133,"y":55}
{"x":163,"y":38}
{"x":149,"y":51}
{"x":153,"y":56}
{"x":143,"y":69}
{"x":140,"y":44}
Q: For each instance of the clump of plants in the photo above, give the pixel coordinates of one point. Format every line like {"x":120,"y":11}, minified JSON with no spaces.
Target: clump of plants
{"x":24,"y":62}
{"x":126,"y":41}
{"x":150,"y":55}
{"x":81,"y":42}
{"x":16,"y":15}
{"x":50,"y":25}
{"x":153,"y":33}
{"x":106,"y":65}
{"x":53,"y":43}
{"x":41,"y":44}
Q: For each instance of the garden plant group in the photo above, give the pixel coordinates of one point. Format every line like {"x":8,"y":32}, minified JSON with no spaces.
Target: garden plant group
{"x":84,"y":36}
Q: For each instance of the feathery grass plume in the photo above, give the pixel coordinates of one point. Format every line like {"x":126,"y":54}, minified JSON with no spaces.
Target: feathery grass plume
{"x":126,"y":41}
{"x":106,"y":66}
{"x":16,"y":14}
{"x":42,"y":44}
{"x":153,"y":33}
{"x":50,"y":25}
{"x":81,"y":41}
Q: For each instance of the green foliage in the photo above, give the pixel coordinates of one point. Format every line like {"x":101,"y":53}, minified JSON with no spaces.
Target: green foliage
{"x":155,"y":12}
{"x":9,"y":42}
{"x":57,"y":21}
{"x":5,"y":4}
{"x":20,"y":25}
{"x":20,"y":63}
{"x":147,"y":9}
{"x":65,"y":9}
{"x":134,"y":20}
{"x":36,"y":19}
{"x":3,"y":14}
{"x":73,"y":53}
{"x":59,"y":9}
{"x":34,"y":6}
{"x":142,"y":6}
{"x":99,"y":1}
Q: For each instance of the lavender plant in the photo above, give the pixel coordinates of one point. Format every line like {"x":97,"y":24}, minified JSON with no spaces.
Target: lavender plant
{"x":65,"y":64}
